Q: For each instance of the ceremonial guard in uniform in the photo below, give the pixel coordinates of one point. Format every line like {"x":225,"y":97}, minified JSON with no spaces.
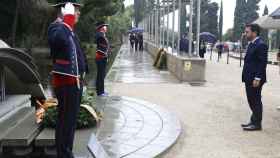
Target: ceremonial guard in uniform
{"x":69,"y":67}
{"x":101,"y":58}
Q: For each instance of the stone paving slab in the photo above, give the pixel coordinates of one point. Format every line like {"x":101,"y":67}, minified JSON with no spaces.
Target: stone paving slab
{"x":47,"y":139}
{"x":13,"y":102}
{"x":131,"y":127}
{"x":135,"y":128}
{"x":24,"y":133}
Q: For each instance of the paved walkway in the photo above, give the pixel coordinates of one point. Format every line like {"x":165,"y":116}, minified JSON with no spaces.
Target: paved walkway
{"x":210,"y":114}
{"x":133,"y":128}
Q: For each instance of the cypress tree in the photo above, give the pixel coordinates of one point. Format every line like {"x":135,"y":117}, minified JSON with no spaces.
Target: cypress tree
{"x":265,"y":12}
{"x":221,"y":21}
{"x":209,"y":17}
{"x":264,"y":33}
{"x":183,"y":18}
{"x":212,"y":18}
{"x":239,"y":19}
{"x":251,"y":11}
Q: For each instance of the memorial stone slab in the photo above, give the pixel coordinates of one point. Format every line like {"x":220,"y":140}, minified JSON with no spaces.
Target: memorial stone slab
{"x":96,"y":148}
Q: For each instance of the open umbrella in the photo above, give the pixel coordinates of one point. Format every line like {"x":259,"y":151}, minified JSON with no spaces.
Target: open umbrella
{"x":136,"y":29}
{"x":208,"y":37}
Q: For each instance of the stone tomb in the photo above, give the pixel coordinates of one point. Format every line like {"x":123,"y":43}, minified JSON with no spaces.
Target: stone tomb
{"x":19,"y":83}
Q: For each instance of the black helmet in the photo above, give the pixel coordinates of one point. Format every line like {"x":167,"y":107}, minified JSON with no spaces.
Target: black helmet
{"x":100,"y":24}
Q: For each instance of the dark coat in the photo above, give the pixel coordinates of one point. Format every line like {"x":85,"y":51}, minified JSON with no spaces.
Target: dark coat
{"x":67,"y":55}
{"x":103,"y":46}
{"x":184,"y":44}
{"x":255,"y":62}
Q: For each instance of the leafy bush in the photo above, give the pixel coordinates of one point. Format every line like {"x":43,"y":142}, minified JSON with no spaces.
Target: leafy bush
{"x":84,"y":120}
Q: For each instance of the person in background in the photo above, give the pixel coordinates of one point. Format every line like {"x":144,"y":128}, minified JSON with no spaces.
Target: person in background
{"x":184,"y":44}
{"x":202,"y":49}
{"x":102,"y":53}
{"x":254,"y":75}
{"x":136,"y":41}
{"x":278,"y":60}
{"x":140,"y":37}
{"x":69,"y":68}
{"x":132,"y":40}
{"x":220,"y":48}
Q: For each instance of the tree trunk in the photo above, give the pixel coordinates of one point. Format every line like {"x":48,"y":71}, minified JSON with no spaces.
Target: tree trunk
{"x":45,"y":23}
{"x":14,"y":30}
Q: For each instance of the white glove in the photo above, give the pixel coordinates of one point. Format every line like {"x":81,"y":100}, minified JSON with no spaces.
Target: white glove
{"x":68,"y":9}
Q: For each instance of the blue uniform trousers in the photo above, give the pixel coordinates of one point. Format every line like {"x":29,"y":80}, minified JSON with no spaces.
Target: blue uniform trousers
{"x":101,"y":73}
{"x":69,"y":99}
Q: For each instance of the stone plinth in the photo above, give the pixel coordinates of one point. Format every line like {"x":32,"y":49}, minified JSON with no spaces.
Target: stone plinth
{"x":186,"y":69}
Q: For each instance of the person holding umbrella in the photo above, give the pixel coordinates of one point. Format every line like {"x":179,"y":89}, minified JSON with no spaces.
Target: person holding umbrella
{"x":136,"y":41}
{"x":141,"y":42}
{"x":202,"y":49}
{"x":102,"y":53}
{"x":131,"y":39}
{"x":69,"y":67}
{"x":220,"y":48}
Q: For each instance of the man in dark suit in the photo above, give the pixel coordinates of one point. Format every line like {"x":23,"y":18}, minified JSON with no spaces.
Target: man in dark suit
{"x":254,"y":75}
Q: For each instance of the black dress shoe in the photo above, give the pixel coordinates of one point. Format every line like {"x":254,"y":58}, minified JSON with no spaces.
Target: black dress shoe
{"x":246,"y":125}
{"x":252,"y":128}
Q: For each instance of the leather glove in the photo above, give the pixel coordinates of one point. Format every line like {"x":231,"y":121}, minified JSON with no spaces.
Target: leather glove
{"x":68,"y":9}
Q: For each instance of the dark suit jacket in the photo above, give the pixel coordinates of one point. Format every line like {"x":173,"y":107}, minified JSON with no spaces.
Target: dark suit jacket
{"x":255,"y":62}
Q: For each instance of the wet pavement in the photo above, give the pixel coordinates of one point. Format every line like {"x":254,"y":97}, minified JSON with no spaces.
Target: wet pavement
{"x":134,"y":128}
{"x":136,"y":67}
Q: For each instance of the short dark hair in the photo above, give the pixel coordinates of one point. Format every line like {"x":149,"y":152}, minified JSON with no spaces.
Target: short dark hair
{"x":254,"y":28}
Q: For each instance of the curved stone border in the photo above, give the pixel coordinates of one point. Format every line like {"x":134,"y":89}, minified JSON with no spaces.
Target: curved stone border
{"x":136,"y":128}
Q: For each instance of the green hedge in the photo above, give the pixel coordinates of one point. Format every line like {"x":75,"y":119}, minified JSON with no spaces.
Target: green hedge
{"x":85,"y":119}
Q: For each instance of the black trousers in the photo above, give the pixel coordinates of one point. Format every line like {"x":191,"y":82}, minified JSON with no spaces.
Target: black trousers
{"x":136,"y":46}
{"x":101,"y":73}
{"x":69,"y":99}
{"x":255,"y":102}
{"x":132,"y":44}
{"x":219,"y":54}
{"x":141,"y":46}
{"x":201,"y":54}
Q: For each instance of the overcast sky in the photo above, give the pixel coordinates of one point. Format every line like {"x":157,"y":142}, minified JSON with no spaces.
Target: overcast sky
{"x":229,"y":6}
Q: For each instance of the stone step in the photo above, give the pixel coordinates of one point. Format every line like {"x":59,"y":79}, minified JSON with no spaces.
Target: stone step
{"x":46,"y":138}
{"x":12,"y":104}
{"x":11,"y":122}
{"x":45,"y":141}
{"x":24,"y":132}
{"x":6,"y":125}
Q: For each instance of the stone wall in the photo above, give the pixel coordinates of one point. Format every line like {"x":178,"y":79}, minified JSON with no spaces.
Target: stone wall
{"x":151,"y":48}
{"x":184,"y":68}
